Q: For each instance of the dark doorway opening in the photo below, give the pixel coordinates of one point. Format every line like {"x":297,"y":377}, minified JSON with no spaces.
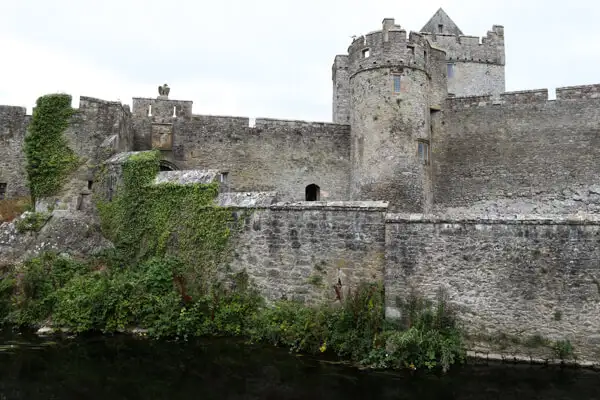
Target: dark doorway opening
{"x":312,"y":192}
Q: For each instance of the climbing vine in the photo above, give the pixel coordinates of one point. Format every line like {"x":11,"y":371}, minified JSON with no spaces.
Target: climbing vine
{"x":147,"y":220}
{"x":49,"y":158}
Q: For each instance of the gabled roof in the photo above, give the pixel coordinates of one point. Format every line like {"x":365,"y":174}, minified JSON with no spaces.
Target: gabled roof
{"x":441,"y":23}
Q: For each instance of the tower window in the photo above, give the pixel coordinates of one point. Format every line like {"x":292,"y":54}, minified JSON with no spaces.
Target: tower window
{"x":440,"y":28}
{"x":423,"y":152}
{"x":397,"y":83}
{"x":366,"y":53}
{"x":223,"y":177}
{"x":450,"y":70}
{"x":312,"y":192}
{"x":2,"y":191}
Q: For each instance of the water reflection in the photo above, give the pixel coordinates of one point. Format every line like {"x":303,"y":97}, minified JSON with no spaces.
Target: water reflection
{"x":127,"y":368}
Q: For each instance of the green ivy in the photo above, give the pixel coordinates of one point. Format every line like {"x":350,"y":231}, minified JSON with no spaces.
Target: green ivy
{"x":146,"y":220}
{"x":49,"y":158}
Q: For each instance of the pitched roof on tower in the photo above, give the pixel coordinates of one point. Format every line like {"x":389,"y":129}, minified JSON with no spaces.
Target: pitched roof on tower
{"x":441,"y":23}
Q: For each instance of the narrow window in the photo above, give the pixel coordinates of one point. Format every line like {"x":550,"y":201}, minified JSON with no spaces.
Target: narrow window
{"x":312,"y":192}
{"x":90,"y":185}
{"x":174,"y":111}
{"x":450,"y":70}
{"x":423,"y":152}
{"x":2,"y":191}
{"x":366,"y":53}
{"x":223,"y":177}
{"x":440,"y":28}
{"x":150,"y":110}
{"x":397,"y":83}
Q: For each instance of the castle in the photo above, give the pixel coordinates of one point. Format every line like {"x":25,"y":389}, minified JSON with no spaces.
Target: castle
{"x":429,"y":175}
{"x":419,"y":120}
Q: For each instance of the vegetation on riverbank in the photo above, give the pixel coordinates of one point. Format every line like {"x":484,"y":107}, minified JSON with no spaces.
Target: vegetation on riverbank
{"x":109,"y":295}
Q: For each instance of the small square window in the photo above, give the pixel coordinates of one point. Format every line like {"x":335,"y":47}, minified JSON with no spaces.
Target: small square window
{"x":450,"y":70}
{"x":223,"y":177}
{"x":2,"y":191}
{"x":366,"y":53}
{"x":397,"y":83}
{"x":423,"y":152}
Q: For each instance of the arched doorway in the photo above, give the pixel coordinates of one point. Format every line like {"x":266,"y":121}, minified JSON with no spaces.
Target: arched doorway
{"x":312,"y":192}
{"x":165,"y":165}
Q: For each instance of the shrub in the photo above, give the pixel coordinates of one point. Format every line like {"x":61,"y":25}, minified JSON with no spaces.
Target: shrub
{"x":32,"y":222}
{"x":11,"y":208}
{"x":107,"y":294}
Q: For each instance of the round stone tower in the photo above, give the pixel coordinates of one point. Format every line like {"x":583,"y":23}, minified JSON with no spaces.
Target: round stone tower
{"x":397,"y":87}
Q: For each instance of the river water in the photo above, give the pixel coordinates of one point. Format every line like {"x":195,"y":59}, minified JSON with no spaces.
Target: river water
{"x":122,"y":367}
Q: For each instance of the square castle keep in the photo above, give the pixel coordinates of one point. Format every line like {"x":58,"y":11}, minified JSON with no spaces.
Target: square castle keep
{"x":429,"y":176}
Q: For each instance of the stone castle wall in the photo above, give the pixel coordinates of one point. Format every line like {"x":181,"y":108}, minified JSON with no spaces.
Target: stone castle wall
{"x":96,"y":129}
{"x":520,"y":153}
{"x":273,"y":155}
{"x":13,"y":127}
{"x":514,"y":278}
{"x":301,"y":250}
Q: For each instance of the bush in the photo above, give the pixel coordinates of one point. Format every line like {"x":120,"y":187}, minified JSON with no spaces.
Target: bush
{"x":12,"y":208}
{"x":106,"y":294}
{"x":32,"y":222}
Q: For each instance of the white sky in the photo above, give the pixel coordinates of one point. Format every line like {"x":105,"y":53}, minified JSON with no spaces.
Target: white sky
{"x":261,"y":58}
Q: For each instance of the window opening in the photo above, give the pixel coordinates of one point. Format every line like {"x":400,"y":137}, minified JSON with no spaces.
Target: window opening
{"x":90,"y":184}
{"x":174,"y":111}
{"x":150,"y":110}
{"x":450,"y":70}
{"x":397,"y":83}
{"x":2,"y":191}
{"x":366,"y":53}
{"x":312,"y":192}
{"x":423,"y":152}
{"x":223,"y":178}
{"x":440,"y":28}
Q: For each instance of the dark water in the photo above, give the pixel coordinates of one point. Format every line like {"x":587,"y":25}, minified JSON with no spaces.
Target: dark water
{"x":128,"y":368}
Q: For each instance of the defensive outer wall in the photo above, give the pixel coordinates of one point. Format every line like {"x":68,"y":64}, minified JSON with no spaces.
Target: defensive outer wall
{"x":504,"y":217}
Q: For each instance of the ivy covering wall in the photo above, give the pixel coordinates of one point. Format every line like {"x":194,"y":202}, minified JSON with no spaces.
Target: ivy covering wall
{"x":146,"y":220}
{"x":49,"y":158}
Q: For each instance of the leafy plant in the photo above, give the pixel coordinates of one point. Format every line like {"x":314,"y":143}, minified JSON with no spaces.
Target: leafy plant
{"x":563,"y":349}
{"x":49,"y":158}
{"x":146,"y":220}
{"x":32,"y":222}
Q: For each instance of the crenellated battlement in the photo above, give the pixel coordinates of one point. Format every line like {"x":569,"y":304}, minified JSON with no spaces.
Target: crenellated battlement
{"x":389,"y":47}
{"x":535,"y":96}
{"x":13,"y":121}
{"x":461,"y":48}
{"x":578,"y":92}
{"x":243,"y":123}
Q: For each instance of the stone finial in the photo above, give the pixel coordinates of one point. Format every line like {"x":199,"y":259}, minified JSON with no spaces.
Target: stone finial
{"x":163,"y":91}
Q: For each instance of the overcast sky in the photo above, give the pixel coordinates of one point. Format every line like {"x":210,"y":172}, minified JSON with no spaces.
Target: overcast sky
{"x":261,"y":58}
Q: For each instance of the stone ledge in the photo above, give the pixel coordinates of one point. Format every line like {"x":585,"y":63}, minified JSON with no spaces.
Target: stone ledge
{"x":186,"y":177}
{"x":379,"y":206}
{"x":523,"y":359}
{"x":526,"y":219}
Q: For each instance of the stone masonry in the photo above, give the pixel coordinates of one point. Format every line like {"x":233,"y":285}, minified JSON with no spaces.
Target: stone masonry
{"x":431,"y":177}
